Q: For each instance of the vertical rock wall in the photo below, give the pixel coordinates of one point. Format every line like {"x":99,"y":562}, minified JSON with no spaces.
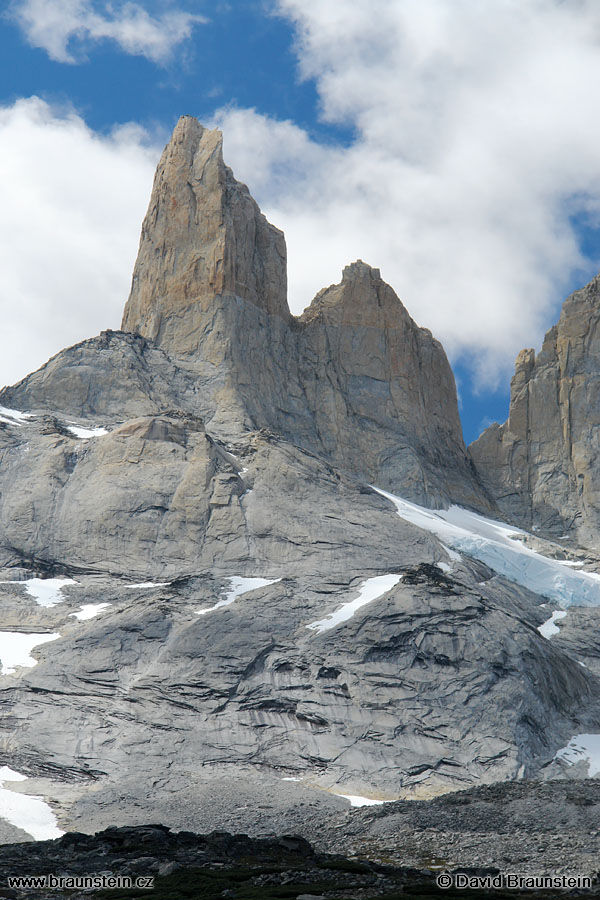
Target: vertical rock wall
{"x":541,"y":466}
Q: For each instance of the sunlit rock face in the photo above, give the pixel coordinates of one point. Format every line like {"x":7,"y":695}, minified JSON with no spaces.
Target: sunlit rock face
{"x":541,"y":466}
{"x":203,"y":237}
{"x":382,"y":392}
{"x":353,"y":379}
{"x":237,"y":604}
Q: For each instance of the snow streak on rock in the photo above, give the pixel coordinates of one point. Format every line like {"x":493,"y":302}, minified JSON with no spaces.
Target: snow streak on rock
{"x":239,"y":586}
{"x":548,"y":628}
{"x":370,"y":590}
{"x":498,"y":546}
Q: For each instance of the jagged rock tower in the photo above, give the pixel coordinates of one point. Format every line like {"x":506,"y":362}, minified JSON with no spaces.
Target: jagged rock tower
{"x":218,"y":622}
{"x":353,"y":379}
{"x":541,"y":466}
{"x":203,"y":238}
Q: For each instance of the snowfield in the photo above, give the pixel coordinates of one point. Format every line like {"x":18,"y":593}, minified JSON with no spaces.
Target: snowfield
{"x":498,"y":546}
{"x":29,"y":813}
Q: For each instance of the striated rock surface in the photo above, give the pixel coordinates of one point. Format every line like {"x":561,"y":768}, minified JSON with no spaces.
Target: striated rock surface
{"x":158,"y":496}
{"x":382,"y":392}
{"x":541,"y":465}
{"x":112,"y":377}
{"x":353,"y":379}
{"x":238,"y":605}
{"x":203,"y":237}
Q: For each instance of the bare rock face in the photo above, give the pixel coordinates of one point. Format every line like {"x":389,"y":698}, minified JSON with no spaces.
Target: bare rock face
{"x":382,"y":392}
{"x":202,"y":484}
{"x":203,"y":237}
{"x":540,"y":465}
{"x":158,"y":497}
{"x":210,"y":286}
{"x":353,"y":379}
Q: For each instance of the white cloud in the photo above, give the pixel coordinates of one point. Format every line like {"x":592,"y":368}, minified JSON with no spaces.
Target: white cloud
{"x":477,"y":131}
{"x":59,"y":26}
{"x":72,"y":204}
{"x":476,"y":134}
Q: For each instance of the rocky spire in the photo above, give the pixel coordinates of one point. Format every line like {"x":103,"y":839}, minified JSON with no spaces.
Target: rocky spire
{"x":353,"y":380}
{"x":203,"y":237}
{"x":540,"y":465}
{"x":383,"y":393}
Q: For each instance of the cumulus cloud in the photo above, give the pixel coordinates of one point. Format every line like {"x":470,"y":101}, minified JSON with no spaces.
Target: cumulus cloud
{"x":476,"y":134}
{"x":476,"y":131}
{"x":72,"y":204}
{"x":64,"y":28}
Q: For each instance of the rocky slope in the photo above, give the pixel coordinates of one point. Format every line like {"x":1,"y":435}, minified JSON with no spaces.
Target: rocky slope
{"x":540,"y":466}
{"x":391,"y":852}
{"x":211,"y":600}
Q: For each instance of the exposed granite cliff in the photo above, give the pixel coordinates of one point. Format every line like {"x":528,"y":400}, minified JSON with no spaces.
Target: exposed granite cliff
{"x":203,"y":237}
{"x":353,"y":379}
{"x":218,"y":439}
{"x":382,"y":392}
{"x":541,"y":465}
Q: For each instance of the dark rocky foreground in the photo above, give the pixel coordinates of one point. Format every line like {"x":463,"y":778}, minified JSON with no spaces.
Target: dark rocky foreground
{"x":399,"y":850}
{"x":164,"y":865}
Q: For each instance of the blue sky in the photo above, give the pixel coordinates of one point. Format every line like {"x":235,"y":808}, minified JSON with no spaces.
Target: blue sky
{"x":454,"y":150}
{"x":240,"y":56}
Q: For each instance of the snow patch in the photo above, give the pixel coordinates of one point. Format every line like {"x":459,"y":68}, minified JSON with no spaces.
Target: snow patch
{"x":149,"y":584}
{"x":548,"y":628}
{"x":7,"y":774}
{"x":584,"y":747}
{"x":90,"y":610}
{"x":86,"y":433}
{"x":16,"y":647}
{"x":239,"y":586}
{"x":369,"y":590}
{"x":445,"y":567}
{"x":14,"y":416}
{"x":28,"y":812}
{"x":498,"y":545}
{"x":357,"y":800}
{"x":45,"y":591}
